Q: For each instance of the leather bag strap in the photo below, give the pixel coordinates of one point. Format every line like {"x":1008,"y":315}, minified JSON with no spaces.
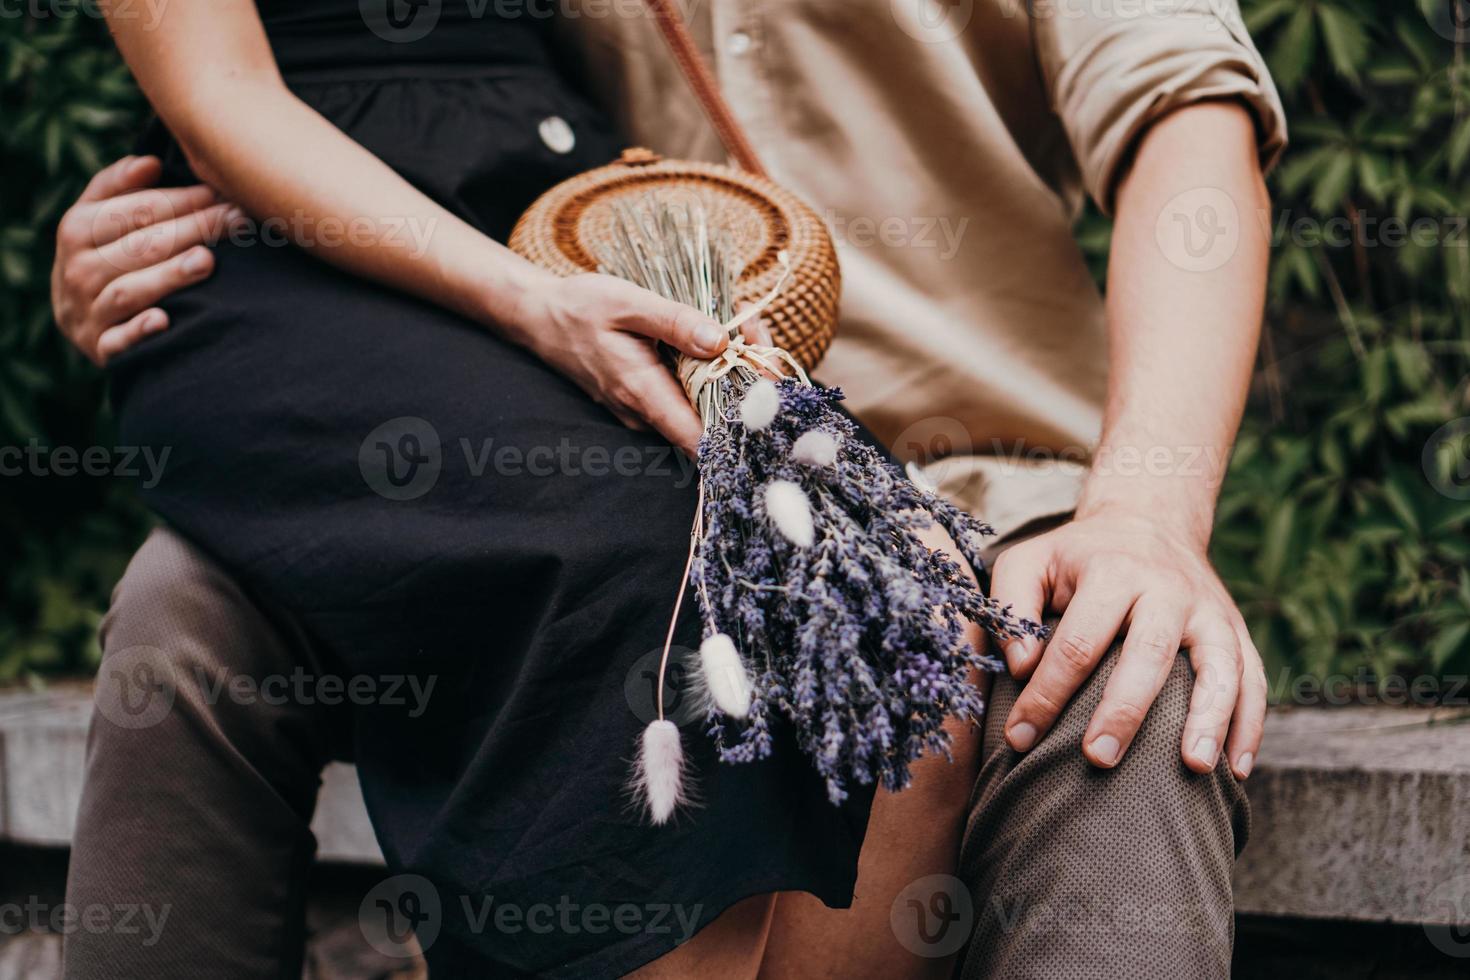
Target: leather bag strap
{"x":706,"y":89}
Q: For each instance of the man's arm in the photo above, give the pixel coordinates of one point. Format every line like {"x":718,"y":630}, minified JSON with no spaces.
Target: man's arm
{"x":1186,"y":288}
{"x":124,"y":246}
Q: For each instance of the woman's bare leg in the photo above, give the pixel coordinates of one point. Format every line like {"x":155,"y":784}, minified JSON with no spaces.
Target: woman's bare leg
{"x":729,"y":948}
{"x":911,"y":835}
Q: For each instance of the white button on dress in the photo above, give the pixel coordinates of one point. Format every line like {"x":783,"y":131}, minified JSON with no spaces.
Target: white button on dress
{"x":557,"y":134}
{"x":740,"y":43}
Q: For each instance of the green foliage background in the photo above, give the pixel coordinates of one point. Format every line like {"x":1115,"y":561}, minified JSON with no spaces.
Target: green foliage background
{"x":1332,"y":536}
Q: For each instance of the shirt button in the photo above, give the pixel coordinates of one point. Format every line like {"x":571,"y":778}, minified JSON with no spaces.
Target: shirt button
{"x":557,"y":134}
{"x":740,"y":43}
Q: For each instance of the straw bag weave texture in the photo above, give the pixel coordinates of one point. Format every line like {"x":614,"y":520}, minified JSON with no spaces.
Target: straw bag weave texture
{"x":563,"y":231}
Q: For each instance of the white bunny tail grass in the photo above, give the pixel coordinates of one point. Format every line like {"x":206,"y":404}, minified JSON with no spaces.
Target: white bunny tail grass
{"x":759,"y":406}
{"x":658,"y":775}
{"x":787,"y":507}
{"x":815,"y":448}
{"x":722,"y":676}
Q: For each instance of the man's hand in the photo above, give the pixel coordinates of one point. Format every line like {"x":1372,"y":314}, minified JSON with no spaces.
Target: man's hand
{"x":1182,"y":343}
{"x":1113,"y":569}
{"x":124,"y":246}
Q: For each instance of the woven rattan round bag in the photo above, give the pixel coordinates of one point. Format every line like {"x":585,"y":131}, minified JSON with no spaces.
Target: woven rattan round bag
{"x":564,"y":229}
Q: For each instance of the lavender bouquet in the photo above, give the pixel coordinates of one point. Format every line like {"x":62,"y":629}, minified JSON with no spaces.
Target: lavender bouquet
{"x":817,"y":598}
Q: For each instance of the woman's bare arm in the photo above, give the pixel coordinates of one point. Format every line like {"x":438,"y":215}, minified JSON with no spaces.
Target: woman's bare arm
{"x":208,"y":70}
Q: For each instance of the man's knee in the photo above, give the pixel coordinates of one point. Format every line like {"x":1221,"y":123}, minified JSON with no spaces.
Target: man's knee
{"x":185,"y":648}
{"x":1150,"y":773}
{"x":176,"y":599}
{"x":188,"y":782}
{"x":1068,"y":860}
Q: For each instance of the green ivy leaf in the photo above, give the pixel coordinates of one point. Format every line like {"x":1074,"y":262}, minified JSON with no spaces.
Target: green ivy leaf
{"x":1346,"y":40}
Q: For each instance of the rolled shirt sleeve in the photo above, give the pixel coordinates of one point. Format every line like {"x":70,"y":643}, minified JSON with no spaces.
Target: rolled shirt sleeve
{"x":1113,"y":68}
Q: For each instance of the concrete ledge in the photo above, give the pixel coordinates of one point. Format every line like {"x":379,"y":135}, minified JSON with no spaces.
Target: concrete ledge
{"x":1359,"y":813}
{"x":43,"y":744}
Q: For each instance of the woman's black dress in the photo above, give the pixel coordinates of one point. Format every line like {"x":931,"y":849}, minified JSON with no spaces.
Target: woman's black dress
{"x":428,"y":500}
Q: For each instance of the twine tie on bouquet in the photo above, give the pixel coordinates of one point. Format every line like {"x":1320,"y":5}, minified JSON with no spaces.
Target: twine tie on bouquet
{"x":698,"y":375}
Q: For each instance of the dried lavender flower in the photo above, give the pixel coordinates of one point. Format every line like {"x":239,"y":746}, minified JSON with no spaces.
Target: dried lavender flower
{"x":807,"y":562}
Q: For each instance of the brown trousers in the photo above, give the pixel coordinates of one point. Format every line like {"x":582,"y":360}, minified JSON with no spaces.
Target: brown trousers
{"x":197,"y":805}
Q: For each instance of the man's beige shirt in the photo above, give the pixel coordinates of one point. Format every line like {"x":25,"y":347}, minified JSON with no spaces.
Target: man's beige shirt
{"x":949,"y":144}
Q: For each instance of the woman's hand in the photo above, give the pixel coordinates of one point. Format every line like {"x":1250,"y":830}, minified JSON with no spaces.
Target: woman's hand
{"x":125,"y":245}
{"x":603,"y":333}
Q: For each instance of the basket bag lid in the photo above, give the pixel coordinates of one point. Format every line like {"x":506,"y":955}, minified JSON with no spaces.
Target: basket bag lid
{"x":562,"y":230}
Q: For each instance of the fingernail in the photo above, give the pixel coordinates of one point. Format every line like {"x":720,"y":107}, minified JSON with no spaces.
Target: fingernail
{"x":1244,"y":763}
{"x":1105,"y":749}
{"x":1022,"y":737}
{"x":195,"y":262}
{"x":708,"y":336}
{"x":1015,"y":652}
{"x":1205,"y":748}
{"x":155,"y":321}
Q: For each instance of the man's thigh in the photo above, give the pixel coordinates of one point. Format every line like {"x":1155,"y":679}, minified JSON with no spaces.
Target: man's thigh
{"x":1079,"y":872}
{"x":203,"y":763}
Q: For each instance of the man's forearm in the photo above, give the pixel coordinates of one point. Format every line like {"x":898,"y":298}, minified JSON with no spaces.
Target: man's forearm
{"x":1186,"y":287}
